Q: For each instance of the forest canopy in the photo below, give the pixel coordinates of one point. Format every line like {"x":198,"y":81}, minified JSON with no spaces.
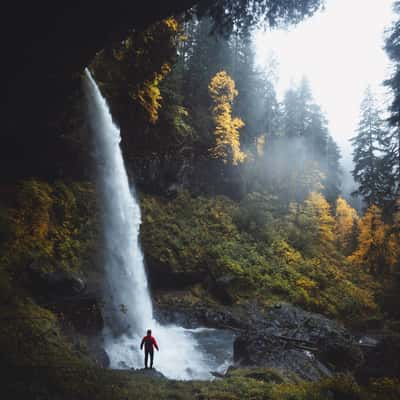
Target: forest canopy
{"x":240,"y":15}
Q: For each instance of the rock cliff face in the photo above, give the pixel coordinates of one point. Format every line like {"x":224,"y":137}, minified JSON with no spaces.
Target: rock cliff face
{"x":293,"y":340}
{"x":77,"y":301}
{"x":166,"y":174}
{"x":46,"y":46}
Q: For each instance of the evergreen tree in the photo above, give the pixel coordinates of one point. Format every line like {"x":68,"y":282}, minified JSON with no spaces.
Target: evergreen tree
{"x":208,"y":55}
{"x":305,"y":152}
{"x":249,"y":104}
{"x":370,"y":167}
{"x":393,"y":153}
{"x":291,"y":114}
{"x":239,"y":15}
{"x":332,"y":170}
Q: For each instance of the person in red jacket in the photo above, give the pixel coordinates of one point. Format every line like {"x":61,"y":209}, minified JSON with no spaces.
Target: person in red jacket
{"x":149,"y":343}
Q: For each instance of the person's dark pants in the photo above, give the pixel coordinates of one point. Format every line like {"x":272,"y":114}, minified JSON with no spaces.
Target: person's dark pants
{"x":146,"y":357}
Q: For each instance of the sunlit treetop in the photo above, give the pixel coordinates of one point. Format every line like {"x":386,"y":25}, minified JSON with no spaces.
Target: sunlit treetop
{"x":227,"y":142}
{"x":240,"y":15}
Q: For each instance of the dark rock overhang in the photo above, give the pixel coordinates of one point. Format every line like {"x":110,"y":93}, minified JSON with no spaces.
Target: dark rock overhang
{"x":43,"y":42}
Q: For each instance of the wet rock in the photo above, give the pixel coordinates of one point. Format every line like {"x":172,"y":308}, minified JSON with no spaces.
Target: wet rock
{"x":294,"y":340}
{"x":164,"y":277}
{"x":282,"y":337}
{"x":382,"y":360}
{"x":83,"y":312}
{"x":150,"y":372}
{"x":217,"y":374}
{"x":341,"y":353}
{"x":287,"y":320}
{"x":220,"y":289}
{"x":172,"y":310}
{"x":252,"y":350}
{"x":58,"y":282}
{"x":194,"y":316}
{"x":97,"y":352}
{"x":68,"y":294}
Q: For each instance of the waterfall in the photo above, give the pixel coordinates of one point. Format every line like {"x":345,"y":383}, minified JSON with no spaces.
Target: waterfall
{"x":128,"y":303}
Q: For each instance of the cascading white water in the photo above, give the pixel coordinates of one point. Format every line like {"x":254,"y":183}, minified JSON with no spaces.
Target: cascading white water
{"x":129,"y":302}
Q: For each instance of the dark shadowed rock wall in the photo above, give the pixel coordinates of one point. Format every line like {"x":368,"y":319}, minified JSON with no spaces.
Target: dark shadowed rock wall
{"x":45,"y":46}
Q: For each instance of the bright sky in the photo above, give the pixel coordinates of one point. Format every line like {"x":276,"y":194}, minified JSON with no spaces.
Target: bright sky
{"x":340,"y":51}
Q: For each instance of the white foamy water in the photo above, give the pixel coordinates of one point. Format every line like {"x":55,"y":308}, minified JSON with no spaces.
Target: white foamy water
{"x":184,"y":354}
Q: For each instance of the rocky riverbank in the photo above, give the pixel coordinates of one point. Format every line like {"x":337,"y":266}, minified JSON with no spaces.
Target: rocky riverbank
{"x":291,"y":340}
{"x":282,"y":337}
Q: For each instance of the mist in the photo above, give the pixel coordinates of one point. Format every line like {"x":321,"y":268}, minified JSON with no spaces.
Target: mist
{"x":340,"y":51}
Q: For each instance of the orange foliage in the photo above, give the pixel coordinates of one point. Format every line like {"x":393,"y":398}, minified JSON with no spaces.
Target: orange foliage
{"x":377,"y":248}
{"x":346,"y":219}
{"x":317,"y":207}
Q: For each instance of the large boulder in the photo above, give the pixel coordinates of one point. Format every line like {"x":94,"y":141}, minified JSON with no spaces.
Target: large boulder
{"x":258,"y":350}
{"x":287,"y":320}
{"x":381,"y":360}
{"x":68,"y":294}
{"x":55,"y":283}
{"x":296,"y":341}
{"x":181,"y":308}
{"x":341,"y":354}
{"x":163,"y":276}
{"x":99,"y":356}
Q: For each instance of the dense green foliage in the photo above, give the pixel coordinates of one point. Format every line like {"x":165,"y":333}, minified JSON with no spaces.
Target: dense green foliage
{"x":44,"y":228}
{"x":264,"y":251}
{"x":262,"y":255}
{"x":51,"y":225}
{"x":258,"y":244}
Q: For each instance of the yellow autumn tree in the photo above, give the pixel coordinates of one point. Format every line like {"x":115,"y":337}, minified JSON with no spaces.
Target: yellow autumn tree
{"x":149,"y":94}
{"x":318,"y":210}
{"x":136,"y":66}
{"x":312,"y":226}
{"x":377,"y":250}
{"x":227,"y":143}
{"x":394,"y":237}
{"x":346,"y":223}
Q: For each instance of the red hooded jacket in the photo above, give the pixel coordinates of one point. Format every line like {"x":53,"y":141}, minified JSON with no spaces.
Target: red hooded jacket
{"x":148,"y":342}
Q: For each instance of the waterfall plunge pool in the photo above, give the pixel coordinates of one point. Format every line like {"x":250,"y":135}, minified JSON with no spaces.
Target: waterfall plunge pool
{"x":209,"y":350}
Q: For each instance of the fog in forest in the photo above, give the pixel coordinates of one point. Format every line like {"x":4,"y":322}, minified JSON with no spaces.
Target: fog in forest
{"x":340,"y":56}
